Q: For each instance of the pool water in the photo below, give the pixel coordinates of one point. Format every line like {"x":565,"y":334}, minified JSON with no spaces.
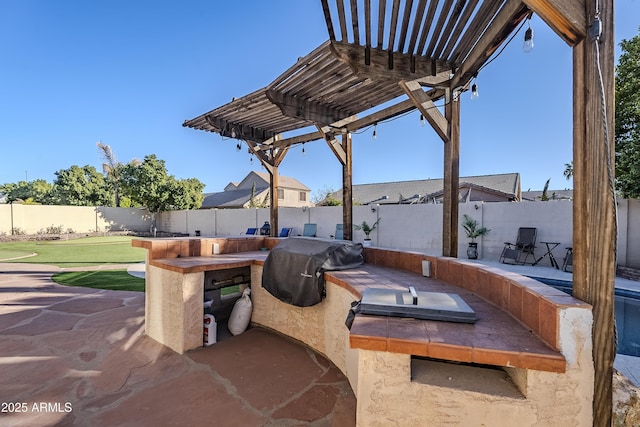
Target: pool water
{"x":627,"y":313}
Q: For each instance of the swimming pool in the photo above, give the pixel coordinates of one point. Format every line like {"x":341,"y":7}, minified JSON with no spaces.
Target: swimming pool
{"x":627,"y":312}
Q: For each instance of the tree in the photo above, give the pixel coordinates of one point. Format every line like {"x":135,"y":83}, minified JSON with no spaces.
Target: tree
{"x":32,"y":192}
{"x":187,"y":193}
{"x":627,"y":132}
{"x":254,"y":202}
{"x":112,"y":169}
{"x":545,"y":197}
{"x":325,"y":197}
{"x":148,"y":184}
{"x":80,"y":186}
{"x":568,"y":170}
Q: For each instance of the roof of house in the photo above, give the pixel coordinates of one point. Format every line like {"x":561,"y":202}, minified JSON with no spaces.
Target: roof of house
{"x":239,"y":194}
{"x":411,"y":191}
{"x":229,"y":198}
{"x":531,"y":196}
{"x":284,"y":181}
{"x":468,"y":186}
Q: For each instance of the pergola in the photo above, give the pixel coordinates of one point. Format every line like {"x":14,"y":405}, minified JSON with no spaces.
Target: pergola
{"x":386,"y":58}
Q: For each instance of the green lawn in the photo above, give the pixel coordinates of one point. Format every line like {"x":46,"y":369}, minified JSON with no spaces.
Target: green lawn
{"x":86,"y":251}
{"x":113,"y":280}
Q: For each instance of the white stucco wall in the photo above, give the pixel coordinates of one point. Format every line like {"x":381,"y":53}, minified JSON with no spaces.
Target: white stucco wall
{"x":32,"y":219}
{"x":411,"y":227}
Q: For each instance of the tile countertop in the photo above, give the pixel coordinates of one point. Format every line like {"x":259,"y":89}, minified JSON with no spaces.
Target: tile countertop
{"x":495,"y":339}
{"x":210,"y":262}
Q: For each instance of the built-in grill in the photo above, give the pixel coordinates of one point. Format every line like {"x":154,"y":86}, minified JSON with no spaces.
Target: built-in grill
{"x":294,"y":270}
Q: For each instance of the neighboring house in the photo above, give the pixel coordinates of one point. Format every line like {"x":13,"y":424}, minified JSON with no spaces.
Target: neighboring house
{"x":536,"y":196}
{"x":291,"y":193}
{"x":485,"y":188}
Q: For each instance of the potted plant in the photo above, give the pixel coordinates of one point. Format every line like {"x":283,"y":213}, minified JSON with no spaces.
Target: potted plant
{"x":367,"y":229}
{"x":472,"y":230}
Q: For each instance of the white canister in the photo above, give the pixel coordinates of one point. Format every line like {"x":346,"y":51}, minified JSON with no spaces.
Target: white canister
{"x":210,"y":329}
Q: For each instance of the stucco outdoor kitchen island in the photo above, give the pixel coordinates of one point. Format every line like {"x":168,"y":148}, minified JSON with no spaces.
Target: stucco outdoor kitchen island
{"x":526,"y":361}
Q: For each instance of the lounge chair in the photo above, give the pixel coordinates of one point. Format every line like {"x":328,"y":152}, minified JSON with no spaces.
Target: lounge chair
{"x":310,"y":230}
{"x":339,"y":232}
{"x":285,"y":232}
{"x":522,"y":249}
{"x":252,"y":231}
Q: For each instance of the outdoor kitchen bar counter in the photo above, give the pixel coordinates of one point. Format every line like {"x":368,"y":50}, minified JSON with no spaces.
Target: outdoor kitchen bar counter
{"x":524,"y":326}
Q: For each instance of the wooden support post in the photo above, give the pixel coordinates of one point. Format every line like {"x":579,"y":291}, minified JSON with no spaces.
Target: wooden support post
{"x":347,"y":193}
{"x":451,"y":176}
{"x":273,"y":194}
{"x":594,"y":222}
{"x":271,"y":163}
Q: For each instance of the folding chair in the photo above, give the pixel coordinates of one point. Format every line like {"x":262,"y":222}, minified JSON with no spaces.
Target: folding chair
{"x":522,"y":249}
{"x":252,"y":231}
{"x":567,"y":265}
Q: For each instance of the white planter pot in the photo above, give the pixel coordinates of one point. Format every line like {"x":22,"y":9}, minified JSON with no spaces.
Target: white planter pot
{"x":366,"y":243}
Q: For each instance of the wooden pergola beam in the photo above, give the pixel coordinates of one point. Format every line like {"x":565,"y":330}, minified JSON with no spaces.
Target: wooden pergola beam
{"x":428,"y":109}
{"x":333,"y":143}
{"x":566,"y":18}
{"x":238,"y":131}
{"x":379,"y":64}
{"x":354,"y":125}
{"x":305,"y":109}
{"x":507,"y":19}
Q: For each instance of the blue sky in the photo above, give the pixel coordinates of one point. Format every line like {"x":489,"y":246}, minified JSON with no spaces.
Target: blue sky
{"x":73,"y":73}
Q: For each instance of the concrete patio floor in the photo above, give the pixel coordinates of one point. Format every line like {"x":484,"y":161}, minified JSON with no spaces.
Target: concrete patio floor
{"x":78,"y":356}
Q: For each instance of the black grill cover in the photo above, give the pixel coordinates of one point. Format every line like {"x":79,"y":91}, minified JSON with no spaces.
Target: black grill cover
{"x":294,"y":270}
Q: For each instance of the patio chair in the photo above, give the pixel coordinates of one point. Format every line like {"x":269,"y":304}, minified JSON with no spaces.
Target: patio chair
{"x":522,"y":249}
{"x":339,"y":232}
{"x":567,"y":265}
{"x":310,"y":230}
{"x":285,"y":232}
{"x":251,"y":231}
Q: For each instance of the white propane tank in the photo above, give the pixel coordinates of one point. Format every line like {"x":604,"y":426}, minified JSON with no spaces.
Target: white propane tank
{"x":210,"y":331}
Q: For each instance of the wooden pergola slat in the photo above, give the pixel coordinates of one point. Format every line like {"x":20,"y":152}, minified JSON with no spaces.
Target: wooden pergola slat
{"x":437,"y":31}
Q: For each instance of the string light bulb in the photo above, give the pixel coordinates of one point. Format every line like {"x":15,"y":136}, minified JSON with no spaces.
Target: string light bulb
{"x":375,"y":133}
{"x":233,"y":132}
{"x":474,"y":91}
{"x":422,"y":120}
{"x":303,"y":149}
{"x":528,"y":38}
{"x":238,"y":147}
